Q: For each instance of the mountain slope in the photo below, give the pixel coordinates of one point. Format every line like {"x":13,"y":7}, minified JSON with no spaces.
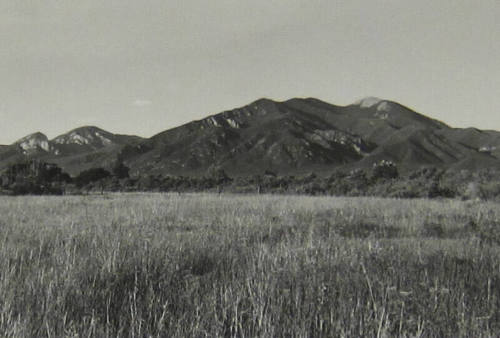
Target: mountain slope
{"x":262,"y":135}
{"x":302,"y":135}
{"x":484,"y":141}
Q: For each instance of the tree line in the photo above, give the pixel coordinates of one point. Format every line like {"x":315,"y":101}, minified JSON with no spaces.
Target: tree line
{"x":382,"y":179}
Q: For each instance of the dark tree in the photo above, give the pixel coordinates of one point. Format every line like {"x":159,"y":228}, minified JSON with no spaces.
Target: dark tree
{"x":35,"y":177}
{"x":268,"y":172}
{"x":120,"y":170}
{"x":219,"y":175}
{"x":91,"y":175}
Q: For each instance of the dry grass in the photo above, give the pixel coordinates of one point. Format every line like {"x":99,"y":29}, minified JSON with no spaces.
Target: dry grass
{"x":196,"y":265}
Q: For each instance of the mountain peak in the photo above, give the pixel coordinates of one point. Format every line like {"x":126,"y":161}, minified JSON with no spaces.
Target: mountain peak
{"x":262,"y":101}
{"x":87,"y":135}
{"x":33,"y":143}
{"x":88,"y":128}
{"x":369,"y":102}
{"x":35,"y":135}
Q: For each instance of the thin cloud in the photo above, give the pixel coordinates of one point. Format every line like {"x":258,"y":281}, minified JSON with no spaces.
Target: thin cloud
{"x":142,"y":102}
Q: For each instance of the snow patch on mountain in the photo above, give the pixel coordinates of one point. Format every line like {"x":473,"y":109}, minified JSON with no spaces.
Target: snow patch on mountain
{"x":368,"y":102}
{"x":325,"y":138}
{"x":383,"y":107}
{"x":104,"y":140}
{"x":33,"y":143}
{"x":233,"y":123}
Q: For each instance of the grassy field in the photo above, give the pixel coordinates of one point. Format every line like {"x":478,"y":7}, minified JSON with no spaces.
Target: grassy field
{"x":201,"y":265}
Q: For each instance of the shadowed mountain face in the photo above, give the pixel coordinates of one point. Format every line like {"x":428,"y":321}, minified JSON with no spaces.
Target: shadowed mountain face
{"x":263,"y":135}
{"x":290,"y":137}
{"x":303,"y":135}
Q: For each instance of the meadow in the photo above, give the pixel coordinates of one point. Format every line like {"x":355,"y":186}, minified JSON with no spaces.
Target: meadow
{"x":210,"y":265}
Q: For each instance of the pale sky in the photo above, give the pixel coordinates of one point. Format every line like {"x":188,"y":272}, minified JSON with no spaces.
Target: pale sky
{"x":143,"y":66}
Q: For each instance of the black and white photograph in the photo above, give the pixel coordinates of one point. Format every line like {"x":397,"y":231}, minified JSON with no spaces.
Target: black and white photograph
{"x":236,"y":168}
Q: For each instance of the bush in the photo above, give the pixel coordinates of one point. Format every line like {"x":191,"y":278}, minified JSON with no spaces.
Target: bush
{"x":384,"y":170}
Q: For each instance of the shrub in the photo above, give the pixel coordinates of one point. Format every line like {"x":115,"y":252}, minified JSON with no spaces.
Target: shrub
{"x":384,"y":170}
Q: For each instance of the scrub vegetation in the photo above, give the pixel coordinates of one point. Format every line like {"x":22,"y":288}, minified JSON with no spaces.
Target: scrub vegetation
{"x":235,"y":265}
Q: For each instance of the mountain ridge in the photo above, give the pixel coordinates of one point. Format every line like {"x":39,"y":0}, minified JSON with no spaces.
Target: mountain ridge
{"x":78,"y":149}
{"x":291,"y":137}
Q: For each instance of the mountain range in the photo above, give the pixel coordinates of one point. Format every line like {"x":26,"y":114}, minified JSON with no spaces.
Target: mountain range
{"x":296,"y":136}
